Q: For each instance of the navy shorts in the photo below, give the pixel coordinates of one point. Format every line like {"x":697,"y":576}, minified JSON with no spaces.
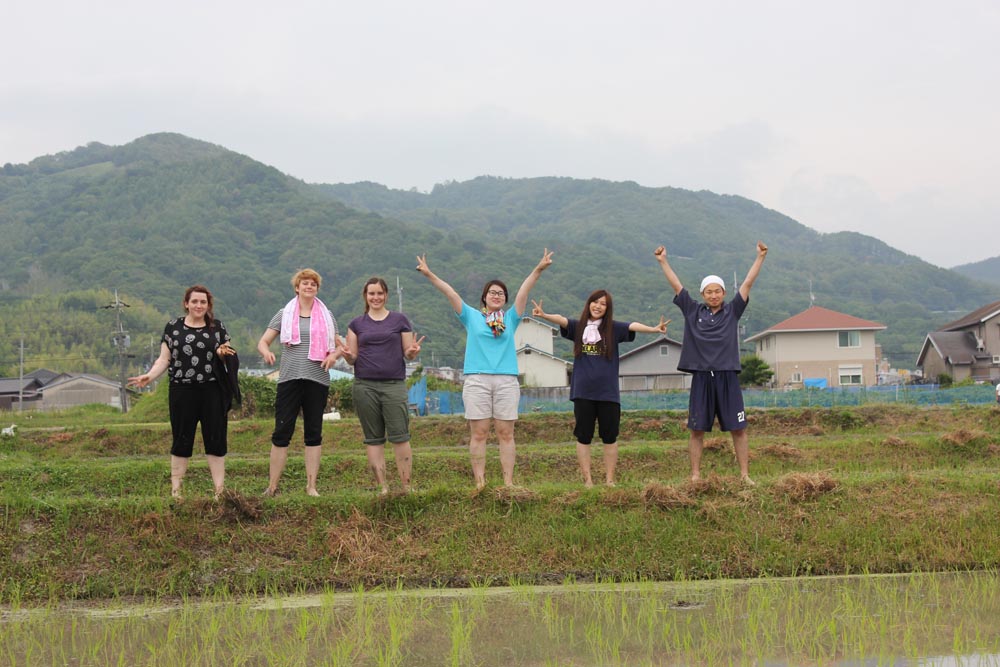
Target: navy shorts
{"x":716,"y":394}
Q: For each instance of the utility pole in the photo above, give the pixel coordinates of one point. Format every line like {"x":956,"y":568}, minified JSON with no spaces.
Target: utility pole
{"x":121,"y":341}
{"x":399,"y":294}
{"x":20,"y":383}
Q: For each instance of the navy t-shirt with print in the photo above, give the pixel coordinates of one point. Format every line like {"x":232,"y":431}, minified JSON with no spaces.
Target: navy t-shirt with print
{"x":595,"y":377}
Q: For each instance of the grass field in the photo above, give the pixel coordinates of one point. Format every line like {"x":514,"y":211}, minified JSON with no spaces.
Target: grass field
{"x":85,"y":512}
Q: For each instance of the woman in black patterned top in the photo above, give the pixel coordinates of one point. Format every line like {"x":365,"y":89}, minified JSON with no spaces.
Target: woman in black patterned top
{"x":187,"y":351}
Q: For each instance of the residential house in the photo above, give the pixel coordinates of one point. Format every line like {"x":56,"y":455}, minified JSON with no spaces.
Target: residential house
{"x":47,"y":390}
{"x":969,"y":347}
{"x":820,"y":347}
{"x":71,"y":390}
{"x":17,"y":393}
{"x":652,"y":366}
{"x":537,"y":365}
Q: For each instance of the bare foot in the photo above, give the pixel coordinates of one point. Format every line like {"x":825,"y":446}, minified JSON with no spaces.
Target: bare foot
{"x":588,"y":483}
{"x":270,"y":493}
{"x":610,"y":482}
{"x":747,"y":481}
{"x":176,"y":494}
{"x":695,"y":478}
{"x":384,"y":491}
{"x":218,"y":495}
{"x":312,"y":492}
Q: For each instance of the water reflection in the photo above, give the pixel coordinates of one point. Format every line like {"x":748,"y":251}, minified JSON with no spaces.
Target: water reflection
{"x":943,"y":620}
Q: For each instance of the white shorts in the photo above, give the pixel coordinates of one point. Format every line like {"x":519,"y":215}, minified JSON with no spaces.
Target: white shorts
{"x":491,"y":396}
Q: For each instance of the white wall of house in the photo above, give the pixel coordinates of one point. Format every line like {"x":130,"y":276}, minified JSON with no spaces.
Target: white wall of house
{"x":531,"y":332}
{"x":541,"y":370}
{"x":653,"y":367}
{"x":80,"y":391}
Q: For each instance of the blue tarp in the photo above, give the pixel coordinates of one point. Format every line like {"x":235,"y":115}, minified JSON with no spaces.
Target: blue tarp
{"x":814,"y":383}
{"x":417,"y":396}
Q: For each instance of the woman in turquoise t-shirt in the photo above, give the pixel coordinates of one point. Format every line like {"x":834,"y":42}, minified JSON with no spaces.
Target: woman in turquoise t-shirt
{"x":491,"y":391}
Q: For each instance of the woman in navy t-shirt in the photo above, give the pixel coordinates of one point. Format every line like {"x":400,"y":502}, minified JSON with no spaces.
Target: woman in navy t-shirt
{"x":594,"y":386}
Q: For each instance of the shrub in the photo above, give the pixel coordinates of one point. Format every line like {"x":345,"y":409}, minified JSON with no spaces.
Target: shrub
{"x":342,"y":395}
{"x":258,"y":396}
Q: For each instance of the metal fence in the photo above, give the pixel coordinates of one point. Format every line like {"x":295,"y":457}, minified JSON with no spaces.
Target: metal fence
{"x":444,"y":402}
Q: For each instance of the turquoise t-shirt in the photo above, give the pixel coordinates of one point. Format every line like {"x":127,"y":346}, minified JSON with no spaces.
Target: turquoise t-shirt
{"x":484,"y":352}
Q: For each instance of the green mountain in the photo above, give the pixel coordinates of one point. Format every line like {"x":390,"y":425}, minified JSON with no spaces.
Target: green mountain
{"x":605,"y":232}
{"x":987,"y":270}
{"x":154,"y":216}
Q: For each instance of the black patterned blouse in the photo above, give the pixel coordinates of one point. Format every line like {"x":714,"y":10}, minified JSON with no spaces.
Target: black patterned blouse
{"x":192,"y":350}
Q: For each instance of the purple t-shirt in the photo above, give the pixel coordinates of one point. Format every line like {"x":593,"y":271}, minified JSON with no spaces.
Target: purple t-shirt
{"x":595,"y":377}
{"x":711,"y":340}
{"x":380,"y":346}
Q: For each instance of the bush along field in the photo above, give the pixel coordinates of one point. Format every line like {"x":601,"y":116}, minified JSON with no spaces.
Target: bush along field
{"x":86,"y":510}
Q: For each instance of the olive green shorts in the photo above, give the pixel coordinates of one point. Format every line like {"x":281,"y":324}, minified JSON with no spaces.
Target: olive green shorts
{"x":382,"y":409}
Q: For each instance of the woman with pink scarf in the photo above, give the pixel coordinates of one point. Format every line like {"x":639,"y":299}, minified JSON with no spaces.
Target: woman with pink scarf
{"x":308,"y":335}
{"x":594,"y":386}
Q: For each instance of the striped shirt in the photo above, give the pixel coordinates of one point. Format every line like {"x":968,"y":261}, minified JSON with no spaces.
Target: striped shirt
{"x":295,"y":361}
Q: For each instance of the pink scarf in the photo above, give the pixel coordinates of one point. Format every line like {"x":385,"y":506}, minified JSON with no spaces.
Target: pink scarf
{"x":322,"y":328}
{"x":592,"y":332}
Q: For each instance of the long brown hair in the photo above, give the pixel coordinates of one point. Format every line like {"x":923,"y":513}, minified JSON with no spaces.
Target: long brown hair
{"x":210,"y":313}
{"x":607,"y":327}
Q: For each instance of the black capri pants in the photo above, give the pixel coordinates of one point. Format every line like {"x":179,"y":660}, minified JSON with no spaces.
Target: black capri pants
{"x":294,"y":395}
{"x":193,"y":403}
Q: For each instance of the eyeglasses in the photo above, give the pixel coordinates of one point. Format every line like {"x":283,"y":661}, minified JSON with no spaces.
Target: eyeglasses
{"x":494,"y":292}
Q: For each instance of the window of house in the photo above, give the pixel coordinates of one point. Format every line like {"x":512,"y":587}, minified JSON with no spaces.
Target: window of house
{"x":797,"y":377}
{"x":849,"y":339}
{"x":850,"y":375}
{"x":664,"y":350}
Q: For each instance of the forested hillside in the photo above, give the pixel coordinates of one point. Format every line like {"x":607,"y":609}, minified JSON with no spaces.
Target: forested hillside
{"x":166,"y":211}
{"x":610,"y":230}
{"x":987,"y":270}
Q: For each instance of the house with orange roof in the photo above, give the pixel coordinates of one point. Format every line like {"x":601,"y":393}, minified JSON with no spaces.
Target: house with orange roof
{"x":822,"y":348}
{"x":969,"y":347}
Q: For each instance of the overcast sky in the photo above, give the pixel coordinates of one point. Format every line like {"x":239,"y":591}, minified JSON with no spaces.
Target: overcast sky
{"x":876,"y":117}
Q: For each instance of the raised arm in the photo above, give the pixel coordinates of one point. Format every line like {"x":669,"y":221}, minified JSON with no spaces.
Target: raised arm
{"x":558,"y":320}
{"x":660,"y":328}
{"x":453,"y":298}
{"x":661,"y":257}
{"x":521,"y":300}
{"x":754,"y":271}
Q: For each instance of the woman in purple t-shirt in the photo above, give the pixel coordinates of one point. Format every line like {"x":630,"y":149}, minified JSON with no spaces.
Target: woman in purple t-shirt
{"x":594,"y":387}
{"x":378,"y":344}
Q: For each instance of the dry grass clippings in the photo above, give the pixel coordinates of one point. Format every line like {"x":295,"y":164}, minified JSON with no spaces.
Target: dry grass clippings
{"x":356,"y":540}
{"x":782,"y":451}
{"x":800,"y":486}
{"x":666,"y":497}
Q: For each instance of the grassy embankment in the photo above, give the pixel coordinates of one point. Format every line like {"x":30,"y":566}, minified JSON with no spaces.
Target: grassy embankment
{"x":85,"y":512}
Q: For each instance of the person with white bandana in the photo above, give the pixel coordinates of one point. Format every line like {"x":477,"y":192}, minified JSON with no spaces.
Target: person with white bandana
{"x":711,"y":353}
